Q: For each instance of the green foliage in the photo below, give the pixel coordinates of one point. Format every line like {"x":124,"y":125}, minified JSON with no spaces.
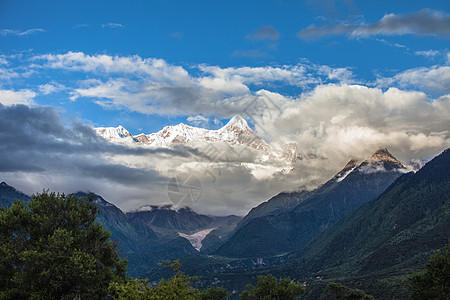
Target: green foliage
{"x":130,"y":289}
{"x":54,"y":249}
{"x":178,"y":286}
{"x":268,"y":287}
{"x":434,"y":281}
{"x":335,"y":290}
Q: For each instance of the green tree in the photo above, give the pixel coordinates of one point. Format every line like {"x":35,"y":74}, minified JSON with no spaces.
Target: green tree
{"x":434,"y":281}
{"x":54,"y":249}
{"x":268,"y":287}
{"x":178,"y":286}
{"x":335,"y":290}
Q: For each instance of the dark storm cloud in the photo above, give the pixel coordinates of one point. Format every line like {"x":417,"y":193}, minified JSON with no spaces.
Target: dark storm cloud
{"x":423,"y":22}
{"x":35,"y":140}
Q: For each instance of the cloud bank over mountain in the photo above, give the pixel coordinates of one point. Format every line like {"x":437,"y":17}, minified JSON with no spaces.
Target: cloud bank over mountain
{"x":331,"y":116}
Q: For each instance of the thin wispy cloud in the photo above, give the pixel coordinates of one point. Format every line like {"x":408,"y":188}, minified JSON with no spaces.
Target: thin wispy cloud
{"x":428,"y":53}
{"x":112,"y":25}
{"x":15,"y":32}
{"x":425,"y":22}
{"x":78,"y":26}
{"x":250,"y":53}
{"x":177,"y":35}
{"x":198,"y":120}
{"x":50,"y":88}
{"x":264,"y":33}
{"x":391,"y":44}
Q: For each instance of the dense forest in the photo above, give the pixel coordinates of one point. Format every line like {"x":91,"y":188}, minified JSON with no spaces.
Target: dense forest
{"x":53,"y":248}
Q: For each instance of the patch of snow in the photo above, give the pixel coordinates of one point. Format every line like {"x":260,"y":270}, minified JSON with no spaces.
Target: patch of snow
{"x":197,"y":238}
{"x":342,"y":177}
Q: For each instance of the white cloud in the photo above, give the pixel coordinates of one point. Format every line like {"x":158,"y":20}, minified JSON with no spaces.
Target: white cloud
{"x":14,"y":32}
{"x":294,"y":75}
{"x":435,"y":79}
{"x":155,"y":69}
{"x":329,"y":123}
{"x":427,"y":53}
{"x":391,"y":44}
{"x":81,"y":26}
{"x":50,"y":88}
{"x":337,"y":121}
{"x":11,"y":97}
{"x":112,"y":25}
{"x":198,"y":120}
{"x":155,"y":86}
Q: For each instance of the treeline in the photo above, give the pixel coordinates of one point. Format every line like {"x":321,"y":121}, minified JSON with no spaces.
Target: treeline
{"x":53,"y":248}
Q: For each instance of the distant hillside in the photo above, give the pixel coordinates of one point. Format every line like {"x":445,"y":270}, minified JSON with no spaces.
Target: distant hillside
{"x":374,"y":246}
{"x":145,"y":237}
{"x":8,"y":194}
{"x":289,"y":221}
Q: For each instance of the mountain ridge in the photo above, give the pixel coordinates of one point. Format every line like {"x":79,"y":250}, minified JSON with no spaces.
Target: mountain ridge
{"x":145,"y":238}
{"x":387,"y":236}
{"x":297,"y":217}
{"x":236,"y":133}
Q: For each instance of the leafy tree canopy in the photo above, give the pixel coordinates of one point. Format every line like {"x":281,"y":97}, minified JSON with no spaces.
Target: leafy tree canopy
{"x":335,"y":290}
{"x":178,"y":286}
{"x":54,"y":249}
{"x":434,"y":281}
{"x":269,"y":287}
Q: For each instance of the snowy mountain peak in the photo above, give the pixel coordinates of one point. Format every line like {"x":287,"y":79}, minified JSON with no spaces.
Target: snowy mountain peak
{"x":112,"y":133}
{"x":237,"y":120}
{"x":383,"y":154}
{"x":238,"y":125}
{"x":381,"y":161}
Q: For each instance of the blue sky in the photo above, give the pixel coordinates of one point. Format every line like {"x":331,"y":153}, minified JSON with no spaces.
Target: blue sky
{"x":333,"y":79}
{"x":214,"y":33}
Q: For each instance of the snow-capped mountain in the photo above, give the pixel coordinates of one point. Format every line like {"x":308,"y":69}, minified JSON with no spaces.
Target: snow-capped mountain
{"x":114,"y":133}
{"x":290,"y":220}
{"x":236,"y":132}
{"x":381,"y":161}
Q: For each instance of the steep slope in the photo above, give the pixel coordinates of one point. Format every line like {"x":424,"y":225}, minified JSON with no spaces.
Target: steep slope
{"x":276,"y":205}
{"x":8,"y":194}
{"x":214,"y":239}
{"x":292,"y":228}
{"x":387,"y":237}
{"x":166,"y":218}
{"x":373,"y":248}
{"x":145,"y":238}
{"x":140,"y":244}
